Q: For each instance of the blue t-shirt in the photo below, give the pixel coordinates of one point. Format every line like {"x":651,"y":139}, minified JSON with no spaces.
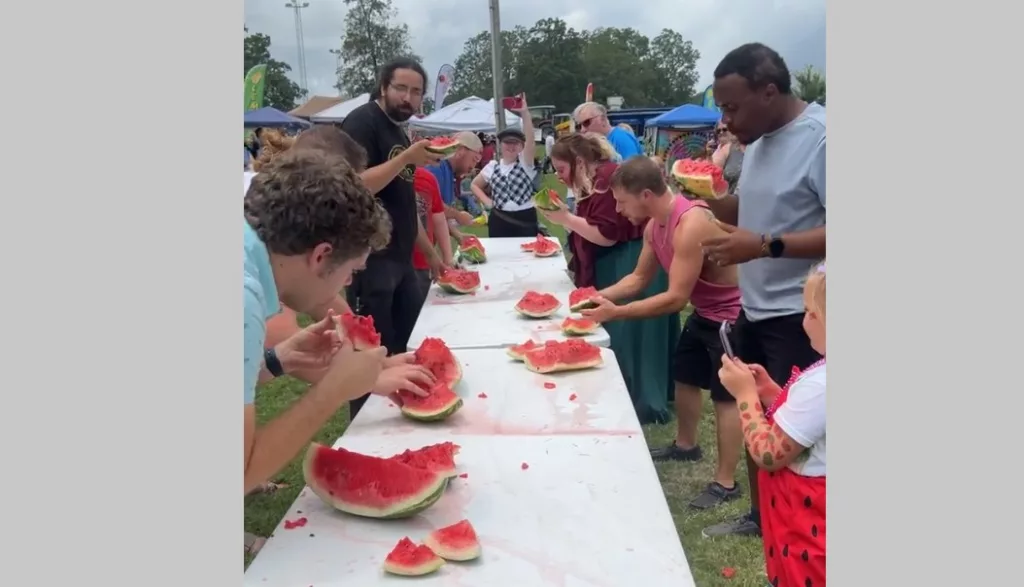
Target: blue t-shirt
{"x":625,"y":143}
{"x":260,"y":301}
{"x":445,"y":180}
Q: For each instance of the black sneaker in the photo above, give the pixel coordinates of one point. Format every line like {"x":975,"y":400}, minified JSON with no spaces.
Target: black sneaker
{"x":715,"y":495}
{"x":672,"y":452}
{"x":742,"y":526}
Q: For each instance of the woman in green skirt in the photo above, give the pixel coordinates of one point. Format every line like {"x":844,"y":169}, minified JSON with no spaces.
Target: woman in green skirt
{"x":605,"y":247}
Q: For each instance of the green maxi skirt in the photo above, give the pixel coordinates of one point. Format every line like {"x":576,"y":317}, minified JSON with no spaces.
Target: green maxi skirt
{"x":644,"y":348}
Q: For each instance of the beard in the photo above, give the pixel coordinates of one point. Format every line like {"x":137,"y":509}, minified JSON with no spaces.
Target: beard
{"x":399,"y":112}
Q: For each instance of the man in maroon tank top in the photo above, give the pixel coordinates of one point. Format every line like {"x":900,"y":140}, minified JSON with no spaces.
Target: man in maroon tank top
{"x":672,"y":240}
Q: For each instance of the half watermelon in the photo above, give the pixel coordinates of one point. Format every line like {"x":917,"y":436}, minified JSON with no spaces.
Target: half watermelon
{"x":443,"y":146}
{"x":439,"y":403}
{"x":537,"y":305}
{"x":367,"y":486}
{"x":457,"y":542}
{"x":412,"y":560}
{"x":439,"y":458}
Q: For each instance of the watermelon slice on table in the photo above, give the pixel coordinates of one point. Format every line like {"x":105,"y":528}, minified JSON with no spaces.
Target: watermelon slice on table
{"x":440,"y":403}
{"x":412,"y":560}
{"x":472,"y":250}
{"x":579,"y":326}
{"x":701,"y":178}
{"x":537,"y":305}
{"x":459,"y":281}
{"x":529,"y":246}
{"x":370,"y":487}
{"x":358,"y":330}
{"x":444,"y":146}
{"x":580,"y":298}
{"x":568,"y":355}
{"x":517,"y":351}
{"x":545,"y":247}
{"x":457,"y":542}
{"x":438,"y":458}
{"x":435,"y":355}
{"x":547,"y":199}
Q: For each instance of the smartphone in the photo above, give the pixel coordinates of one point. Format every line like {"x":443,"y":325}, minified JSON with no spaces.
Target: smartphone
{"x":724,"y":333}
{"x":512,"y":103}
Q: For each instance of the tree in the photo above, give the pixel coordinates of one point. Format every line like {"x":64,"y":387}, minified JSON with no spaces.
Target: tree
{"x":370,"y":41}
{"x":617,"y":61}
{"x":280,"y":92}
{"x":675,"y":61}
{"x":810,"y":85}
{"x":428,"y":104}
{"x":473,"y":66}
{"x":550,"y":66}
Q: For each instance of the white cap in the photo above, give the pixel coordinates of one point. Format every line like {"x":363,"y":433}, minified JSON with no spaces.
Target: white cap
{"x":469,"y":140}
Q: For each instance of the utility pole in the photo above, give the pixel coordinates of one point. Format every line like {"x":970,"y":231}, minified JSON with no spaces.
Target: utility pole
{"x":300,"y":42}
{"x":496,"y":73}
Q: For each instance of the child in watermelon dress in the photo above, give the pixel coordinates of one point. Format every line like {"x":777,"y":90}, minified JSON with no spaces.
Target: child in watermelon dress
{"x":784,"y":429}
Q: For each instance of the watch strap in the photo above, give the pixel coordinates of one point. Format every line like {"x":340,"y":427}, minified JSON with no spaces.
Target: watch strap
{"x":273,"y":363}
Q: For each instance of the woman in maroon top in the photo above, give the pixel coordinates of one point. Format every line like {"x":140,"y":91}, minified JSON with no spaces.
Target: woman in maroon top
{"x":605,"y":247}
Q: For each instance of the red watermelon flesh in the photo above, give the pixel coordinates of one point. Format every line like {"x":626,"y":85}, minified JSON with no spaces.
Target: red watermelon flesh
{"x":545,"y":247}
{"x":435,"y":355}
{"x":457,"y":542}
{"x":472,"y":250}
{"x":443,"y":145}
{"x":579,"y":299}
{"x":459,"y":281}
{"x":358,"y":330}
{"x":547,"y":199}
{"x":367,"y":486}
{"x":528,"y":247}
{"x":438,"y":458}
{"x":439,"y":403}
{"x":411,"y":559}
{"x":517,"y":351}
{"x":701,"y":178}
{"x":567,"y":355}
{"x":579,"y":326}
{"x":537,"y":305}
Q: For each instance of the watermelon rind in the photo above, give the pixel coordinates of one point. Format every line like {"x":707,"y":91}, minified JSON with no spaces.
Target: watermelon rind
{"x":437,"y":415}
{"x":701,"y":185}
{"x":584,"y":304}
{"x":430,"y":564}
{"x":543,"y":200}
{"x":548,"y":252}
{"x":572,"y":327}
{"x":412,"y":505}
{"x":436,"y":542}
{"x":473,"y":254}
{"x":451,"y":288}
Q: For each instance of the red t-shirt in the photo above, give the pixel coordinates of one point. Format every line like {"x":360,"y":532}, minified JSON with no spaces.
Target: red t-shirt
{"x":428,"y":203}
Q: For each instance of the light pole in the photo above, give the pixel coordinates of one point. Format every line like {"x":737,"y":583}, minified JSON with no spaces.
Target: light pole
{"x":300,"y":42}
{"x":499,"y":109}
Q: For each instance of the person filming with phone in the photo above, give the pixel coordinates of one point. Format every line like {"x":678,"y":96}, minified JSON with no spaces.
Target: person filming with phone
{"x":672,"y":240}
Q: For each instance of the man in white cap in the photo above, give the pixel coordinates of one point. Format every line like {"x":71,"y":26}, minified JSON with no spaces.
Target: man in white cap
{"x":450,"y":171}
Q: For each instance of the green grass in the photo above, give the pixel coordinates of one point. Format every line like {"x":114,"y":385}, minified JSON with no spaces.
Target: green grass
{"x":680,"y":482}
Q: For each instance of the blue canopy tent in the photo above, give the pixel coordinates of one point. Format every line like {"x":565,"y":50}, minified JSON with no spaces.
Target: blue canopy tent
{"x":686,"y":116}
{"x":268,"y":117}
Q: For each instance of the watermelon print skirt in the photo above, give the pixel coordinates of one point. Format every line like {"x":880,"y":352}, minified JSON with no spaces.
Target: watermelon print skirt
{"x":643,"y":347}
{"x":793,"y":526}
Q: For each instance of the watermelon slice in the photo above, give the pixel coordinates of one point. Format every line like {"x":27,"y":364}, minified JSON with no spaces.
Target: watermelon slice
{"x":358,"y":330}
{"x":435,"y":355}
{"x":545,"y":247}
{"x":457,"y":542}
{"x":528,"y":247}
{"x":567,"y":355}
{"x":412,"y":560}
{"x":472,"y":250}
{"x":701,"y":178}
{"x":579,"y":299}
{"x":440,"y":403}
{"x":459,"y":281}
{"x":579,"y":326}
{"x":438,"y":458}
{"x":367,"y":486}
{"x":537,"y":305}
{"x":517,"y":351}
{"x":547,"y":199}
{"x":444,"y":146}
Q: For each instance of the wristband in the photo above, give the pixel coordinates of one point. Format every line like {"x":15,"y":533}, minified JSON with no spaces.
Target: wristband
{"x":273,"y":363}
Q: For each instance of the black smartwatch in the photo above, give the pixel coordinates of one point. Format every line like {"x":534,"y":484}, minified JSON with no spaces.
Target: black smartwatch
{"x":776,"y":247}
{"x":273,"y":363}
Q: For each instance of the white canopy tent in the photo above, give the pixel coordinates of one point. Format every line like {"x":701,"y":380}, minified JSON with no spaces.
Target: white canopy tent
{"x":338,"y":112}
{"x":472,"y":114}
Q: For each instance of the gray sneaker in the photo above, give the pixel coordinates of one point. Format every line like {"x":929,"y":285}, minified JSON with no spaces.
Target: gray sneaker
{"x":742,"y":526}
{"x":714,"y":495}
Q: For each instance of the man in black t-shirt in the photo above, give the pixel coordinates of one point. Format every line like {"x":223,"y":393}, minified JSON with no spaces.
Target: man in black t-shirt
{"x":388,"y":289}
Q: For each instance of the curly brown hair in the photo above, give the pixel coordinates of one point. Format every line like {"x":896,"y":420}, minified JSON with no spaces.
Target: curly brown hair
{"x":307,"y":197}
{"x":272,"y":144}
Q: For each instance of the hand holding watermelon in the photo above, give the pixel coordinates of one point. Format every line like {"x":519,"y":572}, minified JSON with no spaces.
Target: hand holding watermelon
{"x":605,"y":311}
{"x":409,"y":377}
{"x":417,"y":154}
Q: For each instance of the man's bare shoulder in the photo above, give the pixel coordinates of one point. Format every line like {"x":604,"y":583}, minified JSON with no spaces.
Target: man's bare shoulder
{"x":696,"y":225}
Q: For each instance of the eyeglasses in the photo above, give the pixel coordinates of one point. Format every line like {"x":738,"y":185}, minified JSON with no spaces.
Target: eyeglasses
{"x":407,"y":91}
{"x":721,"y":130}
{"x":586,"y":123}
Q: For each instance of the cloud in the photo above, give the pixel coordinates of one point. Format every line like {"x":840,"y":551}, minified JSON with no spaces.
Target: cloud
{"x":795,"y":28}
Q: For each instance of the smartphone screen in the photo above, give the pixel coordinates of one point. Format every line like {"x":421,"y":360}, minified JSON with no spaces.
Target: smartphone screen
{"x":512,"y":103}
{"x":724,"y":332}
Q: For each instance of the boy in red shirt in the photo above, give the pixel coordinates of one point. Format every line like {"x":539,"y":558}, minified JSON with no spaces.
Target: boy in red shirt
{"x":431,"y":212}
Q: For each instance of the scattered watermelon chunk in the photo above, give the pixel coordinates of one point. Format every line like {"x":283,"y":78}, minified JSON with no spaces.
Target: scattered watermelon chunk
{"x":412,"y":560}
{"x":457,"y":542}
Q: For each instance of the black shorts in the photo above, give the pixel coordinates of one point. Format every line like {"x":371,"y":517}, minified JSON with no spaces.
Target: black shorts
{"x":777,"y":344}
{"x":698,"y":357}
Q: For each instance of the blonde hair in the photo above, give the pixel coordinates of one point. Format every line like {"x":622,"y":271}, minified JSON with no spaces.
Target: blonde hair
{"x":588,"y":147}
{"x":272,"y":144}
{"x":815,"y":289}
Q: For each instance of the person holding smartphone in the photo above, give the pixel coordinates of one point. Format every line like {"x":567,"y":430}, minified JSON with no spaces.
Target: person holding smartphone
{"x":672,"y":240}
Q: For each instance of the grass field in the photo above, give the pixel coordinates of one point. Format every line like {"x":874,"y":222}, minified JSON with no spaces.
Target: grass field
{"x":680,"y":482}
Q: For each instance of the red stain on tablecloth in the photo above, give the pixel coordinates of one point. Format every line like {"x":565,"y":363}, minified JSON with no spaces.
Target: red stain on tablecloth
{"x":482,"y":395}
{"x":549,"y":385}
{"x":524,"y":466}
{"x":292,"y":524}
{"x":572,"y":397}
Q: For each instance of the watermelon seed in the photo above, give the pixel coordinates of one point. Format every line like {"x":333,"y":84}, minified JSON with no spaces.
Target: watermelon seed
{"x":298,"y":511}
{"x":311,"y":535}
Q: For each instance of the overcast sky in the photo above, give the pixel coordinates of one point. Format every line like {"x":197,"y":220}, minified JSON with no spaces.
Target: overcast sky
{"x":795,"y":28}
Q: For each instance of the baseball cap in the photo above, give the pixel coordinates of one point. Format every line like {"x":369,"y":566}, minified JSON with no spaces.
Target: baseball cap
{"x":469,"y":140}
{"x":512,"y":133}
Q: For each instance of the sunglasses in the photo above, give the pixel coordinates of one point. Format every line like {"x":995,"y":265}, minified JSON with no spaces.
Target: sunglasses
{"x":586,"y":123}
{"x":721,"y":130}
